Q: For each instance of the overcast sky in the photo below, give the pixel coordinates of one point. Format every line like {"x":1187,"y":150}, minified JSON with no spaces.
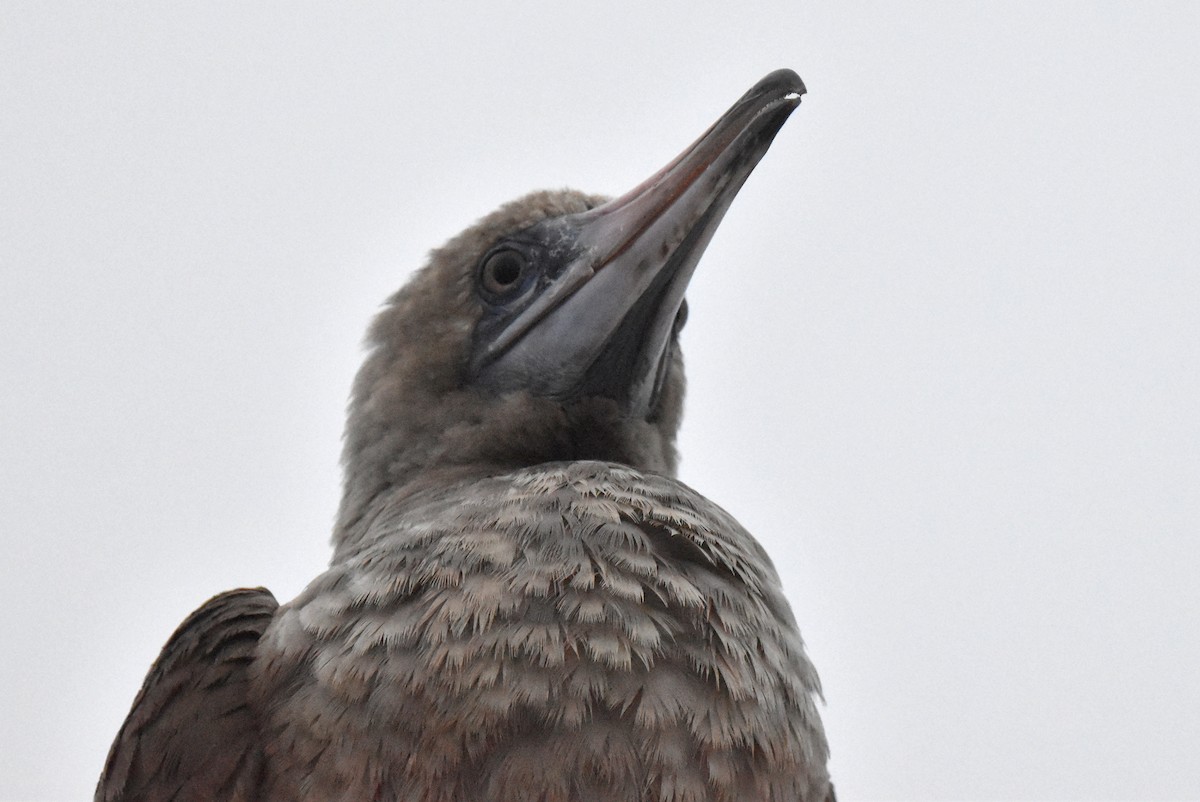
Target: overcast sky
{"x":943,"y":353}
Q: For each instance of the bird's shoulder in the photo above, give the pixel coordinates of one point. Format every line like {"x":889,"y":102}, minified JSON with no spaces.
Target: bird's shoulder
{"x":562,"y":521}
{"x":191,"y":733}
{"x":589,"y":557}
{"x":526,"y":613}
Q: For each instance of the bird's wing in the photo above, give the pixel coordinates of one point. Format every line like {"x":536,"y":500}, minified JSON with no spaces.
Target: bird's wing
{"x":191,"y":734}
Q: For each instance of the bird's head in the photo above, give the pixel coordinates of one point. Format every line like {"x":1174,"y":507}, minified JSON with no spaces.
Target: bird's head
{"x":549,"y":329}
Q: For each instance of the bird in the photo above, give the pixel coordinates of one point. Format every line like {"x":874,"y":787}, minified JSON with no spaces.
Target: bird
{"x":523,"y":603}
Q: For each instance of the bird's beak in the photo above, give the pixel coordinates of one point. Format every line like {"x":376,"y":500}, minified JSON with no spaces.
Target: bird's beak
{"x":605,"y":322}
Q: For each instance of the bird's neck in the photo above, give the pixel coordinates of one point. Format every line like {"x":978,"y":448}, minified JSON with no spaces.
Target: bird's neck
{"x":463,"y":437}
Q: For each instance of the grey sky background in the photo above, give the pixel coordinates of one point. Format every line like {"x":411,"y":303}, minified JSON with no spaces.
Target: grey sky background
{"x":943,"y":352}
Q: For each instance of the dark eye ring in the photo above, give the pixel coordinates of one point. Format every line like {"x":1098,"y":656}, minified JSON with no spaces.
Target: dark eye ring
{"x":503,"y":271}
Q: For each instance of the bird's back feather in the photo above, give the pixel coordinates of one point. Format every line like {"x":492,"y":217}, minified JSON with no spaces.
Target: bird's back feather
{"x":192,"y":734}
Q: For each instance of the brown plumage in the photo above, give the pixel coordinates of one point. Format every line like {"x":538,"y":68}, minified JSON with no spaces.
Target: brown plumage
{"x":522,"y":603}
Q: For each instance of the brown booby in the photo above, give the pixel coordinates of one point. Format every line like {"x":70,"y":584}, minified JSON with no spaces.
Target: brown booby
{"x":523,"y":603}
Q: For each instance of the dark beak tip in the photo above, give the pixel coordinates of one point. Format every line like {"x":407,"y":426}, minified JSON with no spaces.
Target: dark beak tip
{"x":780,"y":83}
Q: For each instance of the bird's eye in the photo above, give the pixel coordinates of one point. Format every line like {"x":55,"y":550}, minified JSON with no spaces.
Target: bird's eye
{"x":503,"y":272}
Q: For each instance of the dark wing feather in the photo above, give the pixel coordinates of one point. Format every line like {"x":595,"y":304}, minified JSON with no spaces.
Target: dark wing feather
{"x":192,"y":734}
